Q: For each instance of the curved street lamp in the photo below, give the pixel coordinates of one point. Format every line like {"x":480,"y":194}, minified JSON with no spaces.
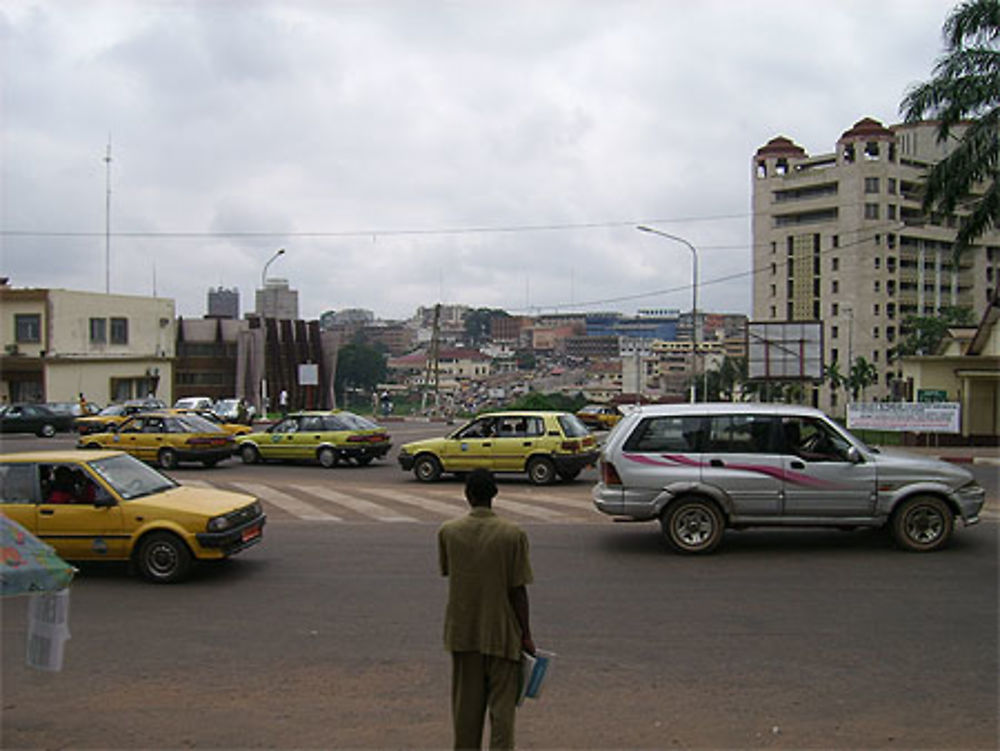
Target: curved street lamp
{"x":694,"y":303}
{"x":272,"y":259}
{"x":263,"y":323}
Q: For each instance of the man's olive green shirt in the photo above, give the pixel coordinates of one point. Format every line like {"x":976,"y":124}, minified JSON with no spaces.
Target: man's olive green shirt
{"x":484,"y":557}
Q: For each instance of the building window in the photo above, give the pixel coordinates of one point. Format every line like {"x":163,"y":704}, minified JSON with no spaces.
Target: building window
{"x":875,"y":308}
{"x":871,"y":211}
{"x":119,"y":331}
{"x":774,"y":290}
{"x":874,"y":355}
{"x":774,"y":269}
{"x":878,"y":262}
{"x":878,"y":286}
{"x":27,"y":328}
{"x":774,"y":247}
{"x":774,"y":312}
{"x":835,"y":288}
{"x":890,"y":185}
{"x":834,"y":264}
{"x":871,"y":185}
{"x":834,"y":332}
{"x":875,"y":332}
{"x":836,"y":241}
{"x":834,"y":354}
{"x":98,"y":330}
{"x":891,"y":211}
{"x":834,"y":309}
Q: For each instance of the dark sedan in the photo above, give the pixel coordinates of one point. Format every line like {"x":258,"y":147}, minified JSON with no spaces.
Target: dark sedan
{"x":33,"y":418}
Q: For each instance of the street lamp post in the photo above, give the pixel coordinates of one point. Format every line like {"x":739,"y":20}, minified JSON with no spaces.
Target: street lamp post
{"x":263,"y":328}
{"x":694,"y":303}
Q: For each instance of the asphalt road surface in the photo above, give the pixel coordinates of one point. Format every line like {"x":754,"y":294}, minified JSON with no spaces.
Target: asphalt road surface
{"x":328,"y":634}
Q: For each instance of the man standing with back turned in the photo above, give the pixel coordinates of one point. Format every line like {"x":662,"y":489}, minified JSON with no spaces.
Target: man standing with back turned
{"x":486,"y":623}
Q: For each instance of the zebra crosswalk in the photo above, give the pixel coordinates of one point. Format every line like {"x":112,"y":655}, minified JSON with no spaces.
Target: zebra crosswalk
{"x":410,"y":505}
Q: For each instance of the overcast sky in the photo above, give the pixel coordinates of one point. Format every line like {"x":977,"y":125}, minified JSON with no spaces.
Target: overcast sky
{"x":405,"y":153}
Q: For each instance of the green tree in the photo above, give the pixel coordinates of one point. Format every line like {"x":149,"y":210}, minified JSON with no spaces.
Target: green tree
{"x":965,"y":90}
{"x":862,"y":375}
{"x":922,"y":335}
{"x":358,"y":366}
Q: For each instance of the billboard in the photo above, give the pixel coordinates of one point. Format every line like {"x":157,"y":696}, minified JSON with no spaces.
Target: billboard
{"x":785,"y":350}
{"x":909,"y":417}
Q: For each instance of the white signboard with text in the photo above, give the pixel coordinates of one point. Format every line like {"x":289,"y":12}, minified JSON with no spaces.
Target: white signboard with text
{"x":909,"y":417}
{"x":308,"y":374}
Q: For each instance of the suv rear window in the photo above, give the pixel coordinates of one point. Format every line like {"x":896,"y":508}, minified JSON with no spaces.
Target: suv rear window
{"x":666,"y":434}
{"x":742,"y":434}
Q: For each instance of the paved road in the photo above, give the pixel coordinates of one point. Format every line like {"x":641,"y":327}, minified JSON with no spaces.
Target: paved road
{"x":328,"y":635}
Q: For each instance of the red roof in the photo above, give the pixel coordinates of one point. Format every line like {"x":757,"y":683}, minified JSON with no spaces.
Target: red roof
{"x":867,"y":128}
{"x":781,"y":146}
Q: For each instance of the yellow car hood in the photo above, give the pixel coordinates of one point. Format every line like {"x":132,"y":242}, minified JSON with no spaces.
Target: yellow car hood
{"x":191,"y":500}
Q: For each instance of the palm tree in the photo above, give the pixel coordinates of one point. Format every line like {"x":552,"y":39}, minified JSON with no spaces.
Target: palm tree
{"x":832,"y":374}
{"x":863,"y":374}
{"x":965,"y":90}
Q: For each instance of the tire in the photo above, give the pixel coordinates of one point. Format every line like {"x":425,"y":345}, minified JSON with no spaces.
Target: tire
{"x":541,"y":471}
{"x":427,"y":468}
{"x":327,"y":457}
{"x":249,"y":453}
{"x":47,"y":431}
{"x":922,"y":524}
{"x":692,"y":525}
{"x":163,"y":558}
{"x":167,"y":458}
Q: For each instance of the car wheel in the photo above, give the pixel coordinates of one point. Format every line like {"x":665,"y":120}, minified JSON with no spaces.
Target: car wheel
{"x":249,"y":453}
{"x":541,"y":471}
{"x":922,"y":524}
{"x":167,"y":458}
{"x":427,"y":468}
{"x":47,"y":431}
{"x":692,"y":525}
{"x":327,"y":457}
{"x":163,"y":558}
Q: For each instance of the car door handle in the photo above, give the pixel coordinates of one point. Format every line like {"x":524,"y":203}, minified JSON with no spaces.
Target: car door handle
{"x":46,"y":511}
{"x":487,"y":444}
{"x":717,"y":463}
{"x":796,"y":464}
{"x":526,"y":443}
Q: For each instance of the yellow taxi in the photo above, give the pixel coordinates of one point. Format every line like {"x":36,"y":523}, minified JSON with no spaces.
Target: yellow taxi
{"x":115,"y":414}
{"x":326,"y":437}
{"x":107,"y":505}
{"x":599,"y":416}
{"x":165,"y":438}
{"x":546,"y":445}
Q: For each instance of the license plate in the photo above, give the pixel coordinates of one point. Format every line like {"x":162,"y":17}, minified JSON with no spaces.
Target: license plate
{"x":249,"y":534}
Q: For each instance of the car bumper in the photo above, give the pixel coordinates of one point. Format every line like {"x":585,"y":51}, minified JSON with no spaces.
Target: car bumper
{"x":234,"y":540}
{"x":575,"y":462}
{"x":970,"y":500}
{"x":375,"y":451}
{"x":201,"y":455}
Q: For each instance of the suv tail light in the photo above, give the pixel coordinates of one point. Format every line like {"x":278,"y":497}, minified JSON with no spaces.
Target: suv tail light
{"x":570,"y":445}
{"x":609,"y":475}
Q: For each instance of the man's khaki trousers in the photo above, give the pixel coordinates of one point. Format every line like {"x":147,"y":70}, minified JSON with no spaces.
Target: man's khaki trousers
{"x":480,"y":682}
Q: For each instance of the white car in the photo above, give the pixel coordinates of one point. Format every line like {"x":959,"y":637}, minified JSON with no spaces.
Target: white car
{"x":194,"y":402}
{"x":701,"y":468}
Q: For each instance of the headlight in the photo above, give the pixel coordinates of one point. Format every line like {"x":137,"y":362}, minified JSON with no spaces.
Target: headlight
{"x":219,"y":524}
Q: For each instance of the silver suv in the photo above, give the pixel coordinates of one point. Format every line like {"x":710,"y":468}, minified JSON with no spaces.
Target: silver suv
{"x":700,"y":468}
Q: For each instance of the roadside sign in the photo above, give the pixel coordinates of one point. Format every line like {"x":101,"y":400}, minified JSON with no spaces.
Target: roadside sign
{"x":308,"y":374}
{"x":932,"y":395}
{"x":906,"y":417}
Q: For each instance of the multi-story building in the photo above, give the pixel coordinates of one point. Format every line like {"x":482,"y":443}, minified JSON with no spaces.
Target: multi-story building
{"x":59,"y":343}
{"x":224,"y":303}
{"x":277,"y":300}
{"x":840,"y":238}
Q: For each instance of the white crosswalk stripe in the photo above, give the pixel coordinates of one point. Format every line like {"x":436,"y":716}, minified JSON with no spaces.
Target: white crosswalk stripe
{"x":507,"y":502}
{"x":427,"y":504}
{"x":361,"y":506}
{"x":292,"y":505}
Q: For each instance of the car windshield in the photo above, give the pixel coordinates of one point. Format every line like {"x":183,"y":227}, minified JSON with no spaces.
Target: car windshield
{"x":113,"y":410}
{"x":352,"y":421}
{"x":130,"y":478}
{"x":572,"y":427}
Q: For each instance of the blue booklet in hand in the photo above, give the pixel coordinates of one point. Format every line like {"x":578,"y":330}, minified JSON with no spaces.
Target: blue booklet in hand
{"x":534,"y":668}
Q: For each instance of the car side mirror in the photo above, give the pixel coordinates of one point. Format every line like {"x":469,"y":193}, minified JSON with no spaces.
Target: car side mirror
{"x":854,"y":456}
{"x":104,"y":500}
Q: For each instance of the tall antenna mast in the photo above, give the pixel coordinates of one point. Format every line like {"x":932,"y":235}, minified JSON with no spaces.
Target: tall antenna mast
{"x":107,"y":221}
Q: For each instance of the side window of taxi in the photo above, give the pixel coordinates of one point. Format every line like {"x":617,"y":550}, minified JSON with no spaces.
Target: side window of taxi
{"x":17,"y":483}
{"x":679,"y":434}
{"x":312,"y":423}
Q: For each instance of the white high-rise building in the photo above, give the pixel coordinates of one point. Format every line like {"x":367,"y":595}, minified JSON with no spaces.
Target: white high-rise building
{"x":840,"y":238}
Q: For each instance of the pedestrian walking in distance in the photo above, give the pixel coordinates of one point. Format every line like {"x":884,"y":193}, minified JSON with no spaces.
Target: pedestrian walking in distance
{"x":486,"y":624}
